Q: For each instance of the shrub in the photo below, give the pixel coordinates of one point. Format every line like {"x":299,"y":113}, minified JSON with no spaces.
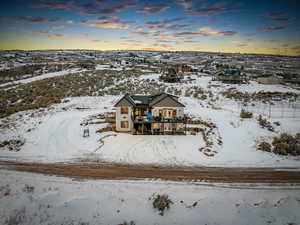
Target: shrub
{"x":12,"y":145}
{"x":126,"y":223}
{"x":244,"y":114}
{"x":264,"y":123}
{"x":162,"y":202}
{"x":284,"y":144}
{"x":264,"y":146}
{"x":28,"y":188}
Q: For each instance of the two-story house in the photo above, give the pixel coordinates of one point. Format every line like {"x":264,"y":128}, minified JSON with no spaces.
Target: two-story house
{"x":150,"y":114}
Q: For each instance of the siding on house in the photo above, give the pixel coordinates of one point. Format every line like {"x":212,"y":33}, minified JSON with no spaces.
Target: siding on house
{"x":124,"y":117}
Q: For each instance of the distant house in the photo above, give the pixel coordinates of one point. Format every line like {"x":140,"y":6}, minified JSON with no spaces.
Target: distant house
{"x":175,"y":73}
{"x":269,"y":80}
{"x":171,"y":75}
{"x":230,"y":76}
{"x":150,"y":114}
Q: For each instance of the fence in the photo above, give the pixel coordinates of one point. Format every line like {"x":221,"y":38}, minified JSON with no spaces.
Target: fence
{"x":281,"y":109}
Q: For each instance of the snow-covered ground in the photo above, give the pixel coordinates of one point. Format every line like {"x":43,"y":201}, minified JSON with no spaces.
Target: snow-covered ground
{"x":56,"y":135}
{"x":153,"y":76}
{"x":43,"y":76}
{"x":58,"y":200}
{"x":108,"y":67}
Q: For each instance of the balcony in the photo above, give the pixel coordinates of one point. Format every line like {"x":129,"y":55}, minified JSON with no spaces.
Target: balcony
{"x":158,"y":119}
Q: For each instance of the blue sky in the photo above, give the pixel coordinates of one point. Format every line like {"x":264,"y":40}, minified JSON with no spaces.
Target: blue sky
{"x":271,"y":27}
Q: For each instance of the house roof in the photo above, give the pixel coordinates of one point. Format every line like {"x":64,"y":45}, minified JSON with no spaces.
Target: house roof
{"x":148,"y":100}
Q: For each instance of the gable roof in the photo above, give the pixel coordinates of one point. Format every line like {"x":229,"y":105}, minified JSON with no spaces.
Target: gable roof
{"x":147,"y":100}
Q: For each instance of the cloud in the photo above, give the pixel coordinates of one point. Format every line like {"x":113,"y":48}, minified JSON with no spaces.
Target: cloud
{"x":247,"y":35}
{"x":76,"y":22}
{"x":58,"y":27}
{"x":282,"y":19}
{"x":271,"y":28}
{"x":176,"y":26}
{"x":209,"y":20}
{"x":208,"y":11}
{"x":296,"y":48}
{"x":106,"y":17}
{"x":189,"y":34}
{"x":150,"y":35}
{"x":139,"y":28}
{"x":228,"y":33}
{"x":186,"y":4}
{"x":109,"y":10}
{"x":59,"y":35}
{"x":275,"y":14}
{"x":42,"y":32}
{"x":113,"y":24}
{"x":99,"y":41}
{"x":162,"y":45}
{"x":90,"y":5}
{"x":82,"y":37}
{"x":153,"y":9}
{"x":164,"y":22}
{"x":242,"y":45}
{"x":132,"y":42}
{"x":37,"y":20}
{"x":279,"y":16}
{"x":209,"y":31}
{"x":52,"y":4}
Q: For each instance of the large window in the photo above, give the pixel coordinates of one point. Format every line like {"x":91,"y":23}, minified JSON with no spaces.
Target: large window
{"x":124,"y":110}
{"x":124,"y":124}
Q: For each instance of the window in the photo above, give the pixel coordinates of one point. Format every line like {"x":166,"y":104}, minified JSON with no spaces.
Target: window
{"x":124,"y":124}
{"x":124,"y":110}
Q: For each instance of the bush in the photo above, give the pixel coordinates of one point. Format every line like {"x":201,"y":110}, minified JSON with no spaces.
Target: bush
{"x":264,"y":123}
{"x":284,"y":144}
{"x":12,"y":145}
{"x":287,"y":144}
{"x":265,"y":146}
{"x":245,"y":114}
{"x":162,"y":202}
{"x":28,"y":188}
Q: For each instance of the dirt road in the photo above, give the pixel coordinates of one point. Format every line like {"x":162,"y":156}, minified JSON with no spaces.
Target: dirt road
{"x":126,"y":172}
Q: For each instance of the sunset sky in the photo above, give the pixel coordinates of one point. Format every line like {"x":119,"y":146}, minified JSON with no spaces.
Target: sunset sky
{"x":264,"y":26}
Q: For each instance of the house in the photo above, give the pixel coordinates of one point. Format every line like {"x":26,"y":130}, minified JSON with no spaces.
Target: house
{"x":150,"y":114}
{"x":269,"y":80}
{"x":171,"y":75}
{"x":230,"y":76}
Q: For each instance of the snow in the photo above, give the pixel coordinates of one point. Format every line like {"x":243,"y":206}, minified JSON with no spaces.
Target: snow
{"x":58,"y":200}
{"x":107,"y":67}
{"x":159,"y":150}
{"x":43,"y":76}
{"x":154,"y":76}
{"x":57,"y":136}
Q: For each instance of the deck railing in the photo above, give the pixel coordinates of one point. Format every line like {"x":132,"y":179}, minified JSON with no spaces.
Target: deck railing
{"x":158,"y":119}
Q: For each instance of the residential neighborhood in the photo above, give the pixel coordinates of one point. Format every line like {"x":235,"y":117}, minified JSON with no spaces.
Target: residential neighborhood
{"x":138,"y":112}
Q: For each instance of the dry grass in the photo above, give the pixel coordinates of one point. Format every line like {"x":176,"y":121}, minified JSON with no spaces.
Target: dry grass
{"x":246,"y":115}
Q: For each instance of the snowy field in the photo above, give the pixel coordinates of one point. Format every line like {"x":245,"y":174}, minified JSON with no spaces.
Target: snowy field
{"x":55,"y":200}
{"x":55,"y":135}
{"x":43,"y":76}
